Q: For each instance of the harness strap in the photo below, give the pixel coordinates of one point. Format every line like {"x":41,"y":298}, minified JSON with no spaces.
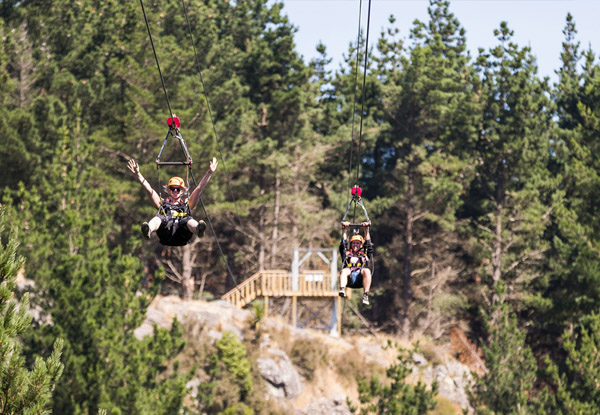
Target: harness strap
{"x":356,"y":200}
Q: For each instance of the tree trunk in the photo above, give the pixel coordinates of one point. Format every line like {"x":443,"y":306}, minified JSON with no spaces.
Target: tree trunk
{"x":408,"y":243}
{"x":497,"y":254}
{"x":261,"y":238}
{"x":276,"y":220}
{"x":187,"y":279}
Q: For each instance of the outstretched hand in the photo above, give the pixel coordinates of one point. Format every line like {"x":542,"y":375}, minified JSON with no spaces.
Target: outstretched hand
{"x":133,"y":166}
{"x":366,"y":224}
{"x":213,"y":164}
{"x":345,"y":224}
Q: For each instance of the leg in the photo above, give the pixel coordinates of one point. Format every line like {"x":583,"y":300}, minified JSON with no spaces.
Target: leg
{"x":149,"y":227}
{"x":192,"y":225}
{"x":343,"y":281}
{"x":196,"y":226}
{"x":154,"y":223}
{"x":366,"y":280}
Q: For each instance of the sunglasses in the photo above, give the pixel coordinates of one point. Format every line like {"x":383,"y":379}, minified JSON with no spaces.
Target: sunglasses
{"x":175,"y":189}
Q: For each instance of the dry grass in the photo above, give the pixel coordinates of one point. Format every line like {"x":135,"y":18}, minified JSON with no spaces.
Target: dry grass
{"x":445,"y":407}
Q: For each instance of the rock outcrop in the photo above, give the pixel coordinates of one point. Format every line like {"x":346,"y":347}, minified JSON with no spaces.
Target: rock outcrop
{"x":324,"y":393}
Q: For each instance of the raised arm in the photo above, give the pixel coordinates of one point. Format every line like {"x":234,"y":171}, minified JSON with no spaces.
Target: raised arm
{"x":368,"y":244}
{"x":135,"y":169}
{"x":343,"y":243}
{"x":345,"y":226}
{"x":366,"y":227}
{"x":195,"y":196}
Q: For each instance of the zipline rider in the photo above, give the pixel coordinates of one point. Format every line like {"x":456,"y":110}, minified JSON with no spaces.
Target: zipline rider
{"x":174,"y":211}
{"x":355,"y":272}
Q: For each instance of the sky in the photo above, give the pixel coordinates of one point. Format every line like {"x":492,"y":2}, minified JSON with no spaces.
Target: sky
{"x":536,"y":23}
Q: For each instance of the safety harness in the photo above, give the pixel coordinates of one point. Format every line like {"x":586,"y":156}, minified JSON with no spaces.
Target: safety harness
{"x":174,"y":230}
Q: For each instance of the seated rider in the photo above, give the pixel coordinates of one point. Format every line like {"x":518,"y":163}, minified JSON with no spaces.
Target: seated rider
{"x":355,"y":272}
{"x":174,"y":210}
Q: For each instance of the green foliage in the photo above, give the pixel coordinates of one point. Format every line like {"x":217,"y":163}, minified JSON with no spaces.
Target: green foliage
{"x":395,"y":396}
{"x":24,"y":391}
{"x":429,"y":113}
{"x":91,"y":289}
{"x":573,"y":261}
{"x":511,"y":369}
{"x":229,"y":384}
{"x":511,"y":195}
{"x":481,"y":189}
{"x":575,"y":384}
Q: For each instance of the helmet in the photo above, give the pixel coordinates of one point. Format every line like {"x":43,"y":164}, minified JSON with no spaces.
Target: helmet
{"x":176,"y":181}
{"x":357,"y":238}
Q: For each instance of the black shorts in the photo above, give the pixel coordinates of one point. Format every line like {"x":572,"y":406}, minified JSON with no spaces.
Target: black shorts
{"x":174,"y":231}
{"x":355,"y":279}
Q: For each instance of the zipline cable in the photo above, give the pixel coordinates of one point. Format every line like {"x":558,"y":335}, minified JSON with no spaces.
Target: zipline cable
{"x":362,"y":110}
{"x":358,"y":37}
{"x":358,"y":42}
{"x":162,"y":80}
{"x":212,"y":120}
{"x":208,"y":106}
{"x":362,"y":103}
{"x":182,"y":145}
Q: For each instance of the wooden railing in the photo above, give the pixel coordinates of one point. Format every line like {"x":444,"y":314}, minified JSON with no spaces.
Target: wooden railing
{"x":277,"y":283}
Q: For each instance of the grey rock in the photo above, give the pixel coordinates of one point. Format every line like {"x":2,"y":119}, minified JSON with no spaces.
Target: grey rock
{"x":277,"y":369}
{"x":453,"y":379}
{"x":334,"y":406}
{"x":418,"y":359}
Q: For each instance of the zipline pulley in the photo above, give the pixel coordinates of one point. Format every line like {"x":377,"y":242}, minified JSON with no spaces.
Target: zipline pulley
{"x":174,"y":124}
{"x":356,"y":200}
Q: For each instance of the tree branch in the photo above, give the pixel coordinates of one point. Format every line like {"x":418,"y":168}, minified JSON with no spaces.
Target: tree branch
{"x":521,"y":260}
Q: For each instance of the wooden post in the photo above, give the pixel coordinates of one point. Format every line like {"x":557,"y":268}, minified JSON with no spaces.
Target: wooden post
{"x":266,"y":306}
{"x":295,"y":311}
{"x":339,"y":315}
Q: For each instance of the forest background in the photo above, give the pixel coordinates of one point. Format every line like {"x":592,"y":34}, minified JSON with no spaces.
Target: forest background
{"x":479,"y":176}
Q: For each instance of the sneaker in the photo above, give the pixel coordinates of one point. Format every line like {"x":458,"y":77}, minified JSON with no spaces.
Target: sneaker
{"x":146,"y":230}
{"x":343,"y":292}
{"x":201,"y":228}
{"x":366,"y":298}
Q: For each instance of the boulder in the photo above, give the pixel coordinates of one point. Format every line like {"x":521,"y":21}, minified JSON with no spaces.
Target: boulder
{"x":276,"y":368}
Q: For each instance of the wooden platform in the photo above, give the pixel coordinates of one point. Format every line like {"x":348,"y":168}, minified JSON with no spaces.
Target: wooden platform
{"x":280,"y":283}
{"x":276,"y":283}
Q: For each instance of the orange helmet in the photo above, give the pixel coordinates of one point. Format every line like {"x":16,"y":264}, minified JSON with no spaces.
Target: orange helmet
{"x":176,"y":181}
{"x":357,"y":238}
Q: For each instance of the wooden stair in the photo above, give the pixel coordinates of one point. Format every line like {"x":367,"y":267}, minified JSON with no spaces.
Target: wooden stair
{"x":277,"y":283}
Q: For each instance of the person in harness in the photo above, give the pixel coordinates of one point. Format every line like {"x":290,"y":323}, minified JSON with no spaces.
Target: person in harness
{"x":174,"y":224}
{"x":356,"y":257}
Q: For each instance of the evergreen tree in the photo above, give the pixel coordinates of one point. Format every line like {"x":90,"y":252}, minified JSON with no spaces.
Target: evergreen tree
{"x":91,"y":290}
{"x":420,"y":160}
{"x":229,"y":383}
{"x":22,"y":390}
{"x":511,"y":369}
{"x":573,"y":260}
{"x":575,"y":383}
{"x":510,"y":197}
{"x":395,"y":396}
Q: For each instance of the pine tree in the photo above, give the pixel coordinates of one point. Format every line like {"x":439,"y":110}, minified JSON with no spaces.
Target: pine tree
{"x":575,"y":383}
{"x":573,"y":260}
{"x":23,"y":390}
{"x":92,"y":290}
{"x":395,"y":396}
{"x":421,"y":163}
{"x":509,"y":201}
{"x":229,"y":383}
{"x":511,"y":369}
